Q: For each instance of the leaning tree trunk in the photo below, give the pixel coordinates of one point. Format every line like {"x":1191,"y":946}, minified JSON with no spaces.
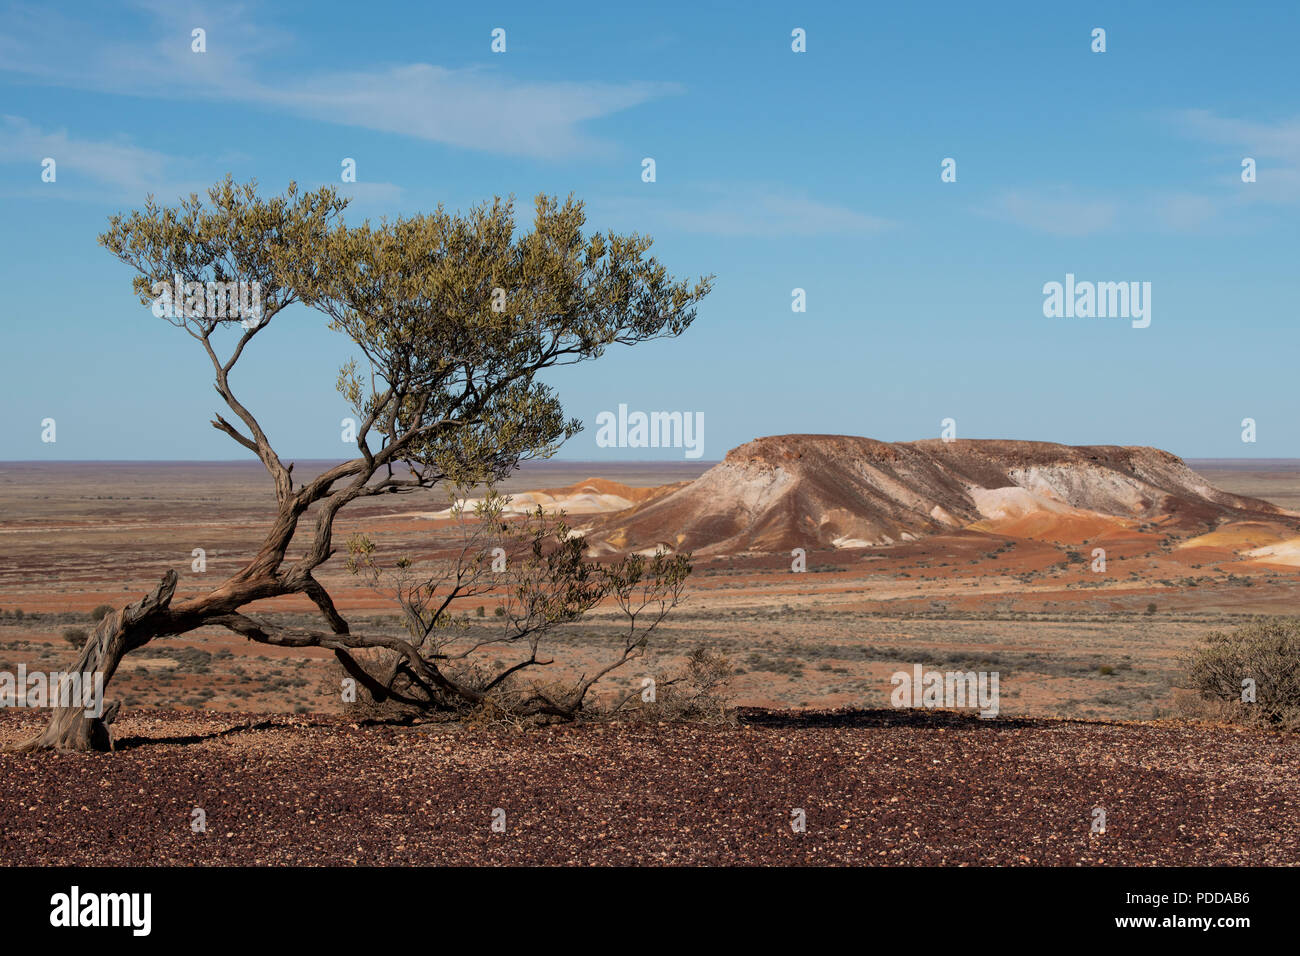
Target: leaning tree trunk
{"x":118,"y":633}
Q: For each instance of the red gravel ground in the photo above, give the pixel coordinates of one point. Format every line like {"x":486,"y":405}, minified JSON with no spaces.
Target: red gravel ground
{"x":877,"y":788}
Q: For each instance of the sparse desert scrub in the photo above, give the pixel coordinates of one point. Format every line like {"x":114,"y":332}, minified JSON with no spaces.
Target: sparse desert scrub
{"x":448,"y":393}
{"x":696,"y":692}
{"x":1251,"y":673}
{"x":535,"y":571}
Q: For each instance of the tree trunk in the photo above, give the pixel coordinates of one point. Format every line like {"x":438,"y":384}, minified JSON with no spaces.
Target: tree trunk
{"x":118,"y":633}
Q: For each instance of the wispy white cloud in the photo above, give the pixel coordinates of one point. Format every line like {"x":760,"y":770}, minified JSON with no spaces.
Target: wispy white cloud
{"x":1186,"y":212}
{"x":759,"y":211}
{"x":1278,"y":139}
{"x":116,"y":163}
{"x":473,"y":108}
{"x":1067,"y":212}
{"x":1056,"y":211}
{"x":1274,"y":145}
{"x":119,"y":171}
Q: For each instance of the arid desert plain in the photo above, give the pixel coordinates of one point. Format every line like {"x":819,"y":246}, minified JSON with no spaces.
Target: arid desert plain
{"x":1066,"y":639}
{"x":1094,"y":712}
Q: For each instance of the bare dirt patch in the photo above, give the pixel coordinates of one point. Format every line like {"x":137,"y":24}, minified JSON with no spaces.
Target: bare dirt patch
{"x":881,"y":787}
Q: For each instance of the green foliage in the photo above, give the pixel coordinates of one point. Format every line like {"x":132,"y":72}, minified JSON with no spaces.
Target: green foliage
{"x":453,"y":315}
{"x":235,"y":237}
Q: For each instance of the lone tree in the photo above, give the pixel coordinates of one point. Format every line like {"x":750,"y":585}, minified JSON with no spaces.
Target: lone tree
{"x":454,"y":316}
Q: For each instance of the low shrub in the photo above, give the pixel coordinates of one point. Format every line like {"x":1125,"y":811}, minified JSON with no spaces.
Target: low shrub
{"x":1259,"y":660}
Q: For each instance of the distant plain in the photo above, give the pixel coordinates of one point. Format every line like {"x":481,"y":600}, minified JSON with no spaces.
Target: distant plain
{"x":1067,"y":642}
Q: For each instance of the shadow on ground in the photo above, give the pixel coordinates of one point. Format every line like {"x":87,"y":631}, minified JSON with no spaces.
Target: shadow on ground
{"x":846,"y":718}
{"x":903,"y":717}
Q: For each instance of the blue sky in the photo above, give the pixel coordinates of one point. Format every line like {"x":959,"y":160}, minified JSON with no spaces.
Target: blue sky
{"x":775,"y":170}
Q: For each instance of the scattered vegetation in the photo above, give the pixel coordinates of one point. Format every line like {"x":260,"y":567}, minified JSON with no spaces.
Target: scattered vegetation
{"x":535,"y":570}
{"x":1252,"y":673}
{"x":697,"y":692}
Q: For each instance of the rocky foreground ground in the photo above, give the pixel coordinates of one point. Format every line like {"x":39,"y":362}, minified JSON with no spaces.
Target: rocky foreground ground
{"x":876,"y":787}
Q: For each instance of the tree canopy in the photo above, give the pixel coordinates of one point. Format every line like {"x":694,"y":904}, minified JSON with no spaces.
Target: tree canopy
{"x":453,"y":316}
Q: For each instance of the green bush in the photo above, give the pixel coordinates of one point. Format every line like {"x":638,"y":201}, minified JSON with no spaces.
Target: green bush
{"x":76,"y":636}
{"x":1266,"y":652}
{"x":100,"y":612}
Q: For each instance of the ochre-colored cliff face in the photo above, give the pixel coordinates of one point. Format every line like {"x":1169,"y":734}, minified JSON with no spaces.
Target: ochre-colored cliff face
{"x":819,"y":491}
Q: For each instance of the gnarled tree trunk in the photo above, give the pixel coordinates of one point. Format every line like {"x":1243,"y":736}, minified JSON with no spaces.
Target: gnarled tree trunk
{"x":114,"y":636}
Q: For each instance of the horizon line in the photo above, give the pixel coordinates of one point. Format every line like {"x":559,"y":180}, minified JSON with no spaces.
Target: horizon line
{"x":548,"y":461}
{"x":290,"y":459}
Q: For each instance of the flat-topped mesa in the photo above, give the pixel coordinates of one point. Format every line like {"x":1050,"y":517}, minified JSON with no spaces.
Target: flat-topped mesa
{"x":822,"y":491}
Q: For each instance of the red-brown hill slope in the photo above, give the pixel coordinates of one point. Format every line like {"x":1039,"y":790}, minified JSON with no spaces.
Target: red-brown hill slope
{"x":814,"y":491}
